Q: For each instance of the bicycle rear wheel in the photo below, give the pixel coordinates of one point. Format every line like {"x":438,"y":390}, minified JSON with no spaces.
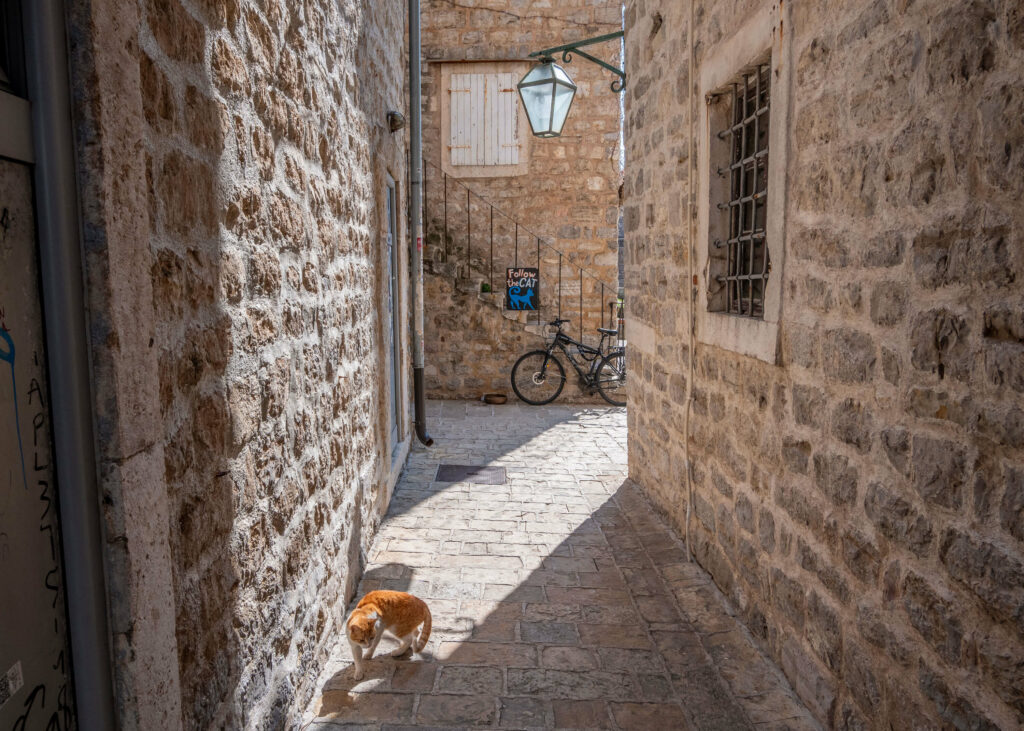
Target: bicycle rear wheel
{"x":538,"y":378}
{"x":610,"y":378}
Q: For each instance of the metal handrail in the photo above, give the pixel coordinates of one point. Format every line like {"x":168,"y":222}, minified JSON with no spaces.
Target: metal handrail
{"x":488,"y":266}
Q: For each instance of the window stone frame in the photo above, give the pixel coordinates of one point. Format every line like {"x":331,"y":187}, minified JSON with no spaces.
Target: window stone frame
{"x":760,"y":35}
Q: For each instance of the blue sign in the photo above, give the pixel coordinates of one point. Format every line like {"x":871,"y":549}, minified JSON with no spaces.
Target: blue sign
{"x":522,"y":288}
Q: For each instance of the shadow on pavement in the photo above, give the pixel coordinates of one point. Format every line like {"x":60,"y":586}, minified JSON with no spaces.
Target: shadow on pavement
{"x":589,"y":619}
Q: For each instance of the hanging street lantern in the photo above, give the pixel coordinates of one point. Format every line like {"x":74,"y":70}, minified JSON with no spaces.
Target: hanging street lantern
{"x":547,"y":93}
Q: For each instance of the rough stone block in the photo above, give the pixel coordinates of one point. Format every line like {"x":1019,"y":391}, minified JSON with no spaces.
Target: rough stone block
{"x":522,"y":712}
{"x":809,"y":560}
{"x":808,"y":405}
{"x":816,"y":688}
{"x":471,"y":680}
{"x":897,"y":519}
{"x":889,"y":302}
{"x":950,"y":706}
{"x":582,"y":714}
{"x":996,"y":577}
{"x":878,"y":628}
{"x":896,"y":443}
{"x":884,"y":250}
{"x":796,"y":455}
{"x":744,"y":512}
{"x":823,"y":631}
{"x":648,"y":715}
{"x":860,"y":678}
{"x":861,"y":555}
{"x":1011,"y":508}
{"x":852,"y":424}
{"x":836,"y":478}
{"x":848,"y":355}
{"x":445,"y":710}
{"x":940,"y":471}
{"x":934,"y":617}
{"x":788,"y":598}
{"x":940,"y":345}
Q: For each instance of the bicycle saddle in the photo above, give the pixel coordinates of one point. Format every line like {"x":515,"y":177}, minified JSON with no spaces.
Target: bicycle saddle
{"x":608,"y":331}
{"x":557,"y":323}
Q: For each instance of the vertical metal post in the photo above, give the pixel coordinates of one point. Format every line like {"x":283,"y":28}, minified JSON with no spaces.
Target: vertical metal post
{"x":764,"y":234}
{"x":621,"y":315}
{"x":742,"y":195}
{"x":416,"y":218}
{"x":602,"y":304}
{"x":559,"y":285}
{"x":538,"y":280}
{"x":581,"y":304}
{"x":734,"y":187}
{"x":426,"y":200}
{"x":516,"y":264}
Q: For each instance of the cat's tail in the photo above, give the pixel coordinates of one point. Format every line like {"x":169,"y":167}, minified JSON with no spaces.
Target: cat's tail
{"x":421,"y":641}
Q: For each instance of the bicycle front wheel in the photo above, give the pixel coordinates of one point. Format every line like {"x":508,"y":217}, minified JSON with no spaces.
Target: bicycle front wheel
{"x":611,"y":378}
{"x":538,"y":378}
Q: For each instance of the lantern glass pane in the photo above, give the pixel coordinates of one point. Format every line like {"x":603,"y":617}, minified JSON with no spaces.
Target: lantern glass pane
{"x":559,"y":73}
{"x":539,"y":72}
{"x":563,"y":100}
{"x":537,"y":100}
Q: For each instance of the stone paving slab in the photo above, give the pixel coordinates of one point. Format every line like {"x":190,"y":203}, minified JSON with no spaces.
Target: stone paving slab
{"x":560,"y":599}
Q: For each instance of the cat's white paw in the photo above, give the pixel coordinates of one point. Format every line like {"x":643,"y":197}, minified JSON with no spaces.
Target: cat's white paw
{"x":358,"y":675}
{"x":399,"y":652}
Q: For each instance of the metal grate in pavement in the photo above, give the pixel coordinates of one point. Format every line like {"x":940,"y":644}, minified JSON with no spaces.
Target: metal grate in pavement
{"x":475,"y":474}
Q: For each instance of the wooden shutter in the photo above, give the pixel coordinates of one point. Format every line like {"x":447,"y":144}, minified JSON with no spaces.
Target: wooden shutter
{"x":504,"y":119}
{"x":484,"y":118}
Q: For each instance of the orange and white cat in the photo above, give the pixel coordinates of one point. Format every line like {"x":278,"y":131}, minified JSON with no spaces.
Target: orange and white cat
{"x":403,"y":615}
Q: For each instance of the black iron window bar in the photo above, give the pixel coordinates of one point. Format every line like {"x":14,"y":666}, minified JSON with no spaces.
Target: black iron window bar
{"x":747,"y":260}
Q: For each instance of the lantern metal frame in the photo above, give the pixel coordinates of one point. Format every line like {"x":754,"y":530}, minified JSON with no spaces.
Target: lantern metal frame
{"x":568,"y":49}
{"x":551,"y":80}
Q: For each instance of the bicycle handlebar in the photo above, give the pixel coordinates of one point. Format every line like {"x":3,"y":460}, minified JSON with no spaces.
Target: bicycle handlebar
{"x":558,"y":323}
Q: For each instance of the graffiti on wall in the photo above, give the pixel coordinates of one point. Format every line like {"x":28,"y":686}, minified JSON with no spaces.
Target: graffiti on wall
{"x":34,"y":672}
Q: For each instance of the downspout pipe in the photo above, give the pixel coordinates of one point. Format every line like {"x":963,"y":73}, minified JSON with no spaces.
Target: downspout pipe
{"x":60,"y":264}
{"x":416,"y":218}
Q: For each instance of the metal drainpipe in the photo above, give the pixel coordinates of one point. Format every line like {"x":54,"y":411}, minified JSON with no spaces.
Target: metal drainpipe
{"x":64,"y":306}
{"x":415,"y":218}
{"x":60,"y":263}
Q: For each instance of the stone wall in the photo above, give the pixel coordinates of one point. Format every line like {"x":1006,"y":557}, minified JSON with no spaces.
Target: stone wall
{"x":467,"y":366}
{"x":568,"y":195}
{"x":233,"y":162}
{"x":861,"y":500}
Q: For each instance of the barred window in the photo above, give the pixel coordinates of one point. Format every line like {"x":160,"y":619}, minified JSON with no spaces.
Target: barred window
{"x":738,"y":249}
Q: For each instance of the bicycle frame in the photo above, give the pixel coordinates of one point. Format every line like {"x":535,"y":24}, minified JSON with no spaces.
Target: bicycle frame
{"x":591,"y":356}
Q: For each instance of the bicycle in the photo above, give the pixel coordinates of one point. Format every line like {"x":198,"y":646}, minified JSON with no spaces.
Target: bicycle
{"x":538,"y":376}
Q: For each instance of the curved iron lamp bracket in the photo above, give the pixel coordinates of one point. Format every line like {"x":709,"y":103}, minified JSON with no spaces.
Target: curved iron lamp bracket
{"x":569,"y":49}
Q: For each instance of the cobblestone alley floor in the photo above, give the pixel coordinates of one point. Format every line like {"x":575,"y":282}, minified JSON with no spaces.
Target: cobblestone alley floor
{"x":560,"y":599}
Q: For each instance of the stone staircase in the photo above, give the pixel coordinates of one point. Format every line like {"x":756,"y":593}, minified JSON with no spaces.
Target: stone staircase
{"x":469,"y":280}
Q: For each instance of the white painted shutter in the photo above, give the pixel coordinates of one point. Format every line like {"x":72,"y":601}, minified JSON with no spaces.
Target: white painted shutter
{"x":484,"y":120}
{"x":461,"y":118}
{"x":504,"y":119}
